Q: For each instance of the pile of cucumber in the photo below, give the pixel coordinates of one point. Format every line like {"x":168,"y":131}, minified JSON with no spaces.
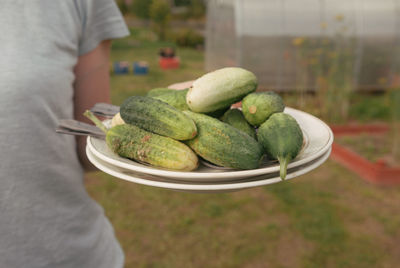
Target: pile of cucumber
{"x":171,"y":128}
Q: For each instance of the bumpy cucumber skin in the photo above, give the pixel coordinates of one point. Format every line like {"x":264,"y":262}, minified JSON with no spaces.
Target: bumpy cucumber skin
{"x":224,"y":145}
{"x":235,"y":118}
{"x":135,"y":143}
{"x":220,"y":89}
{"x":282,"y":139}
{"x":259,"y":106}
{"x":175,"y":98}
{"x":158,"y":117}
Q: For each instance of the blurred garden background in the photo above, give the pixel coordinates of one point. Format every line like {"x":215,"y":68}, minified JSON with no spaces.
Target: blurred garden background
{"x":326,"y":61}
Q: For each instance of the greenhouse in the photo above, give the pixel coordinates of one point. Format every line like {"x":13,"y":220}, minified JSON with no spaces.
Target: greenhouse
{"x":351,"y":44}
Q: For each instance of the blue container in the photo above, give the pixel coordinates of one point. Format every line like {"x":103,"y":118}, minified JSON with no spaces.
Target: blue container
{"x":121,"y":67}
{"x":140,"y":68}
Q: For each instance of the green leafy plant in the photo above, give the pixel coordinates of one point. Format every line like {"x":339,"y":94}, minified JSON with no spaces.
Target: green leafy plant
{"x":188,"y":38}
{"x":394,"y":101}
{"x":141,"y":8}
{"x":123,"y":6}
{"x":337,"y":74}
{"x":197,"y":9}
{"x":160,"y":14}
{"x":327,"y":64}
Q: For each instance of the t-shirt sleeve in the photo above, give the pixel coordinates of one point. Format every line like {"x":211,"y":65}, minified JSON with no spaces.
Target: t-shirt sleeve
{"x":101,"y":20}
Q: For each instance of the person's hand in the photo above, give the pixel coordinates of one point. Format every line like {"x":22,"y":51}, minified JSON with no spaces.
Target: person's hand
{"x":182,"y":85}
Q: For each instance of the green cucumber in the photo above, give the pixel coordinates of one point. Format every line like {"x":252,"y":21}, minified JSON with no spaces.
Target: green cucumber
{"x":158,"y":91}
{"x":220,"y":89}
{"x":282,"y":139}
{"x":258,"y":106}
{"x":158,"y":117}
{"x":218,"y":113}
{"x":132,"y":142}
{"x":224,"y":145}
{"x":175,"y":98}
{"x":235,"y":118}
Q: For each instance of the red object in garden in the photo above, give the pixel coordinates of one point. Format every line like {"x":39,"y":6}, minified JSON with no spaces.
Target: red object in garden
{"x":169,"y":63}
{"x":355,"y":129}
{"x":377,"y":172}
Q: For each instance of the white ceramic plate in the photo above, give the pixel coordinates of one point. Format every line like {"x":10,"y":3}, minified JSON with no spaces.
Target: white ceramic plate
{"x":318,"y":140}
{"x":163,"y":182}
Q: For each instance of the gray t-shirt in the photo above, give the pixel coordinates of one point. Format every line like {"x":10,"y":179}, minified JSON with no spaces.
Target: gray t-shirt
{"x":47,"y":219}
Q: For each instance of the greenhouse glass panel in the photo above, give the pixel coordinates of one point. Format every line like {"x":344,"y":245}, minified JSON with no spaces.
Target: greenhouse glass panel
{"x":304,"y":44}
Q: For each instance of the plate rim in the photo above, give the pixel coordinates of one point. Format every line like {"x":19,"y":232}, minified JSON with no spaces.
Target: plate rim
{"x":220,"y":175}
{"x":206,"y":187}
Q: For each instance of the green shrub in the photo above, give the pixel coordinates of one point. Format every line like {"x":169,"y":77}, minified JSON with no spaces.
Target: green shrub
{"x":367,"y":108}
{"x":394,"y":103}
{"x":123,"y":6}
{"x":160,"y":13}
{"x":197,"y":9}
{"x":188,"y":38}
{"x":141,"y":8}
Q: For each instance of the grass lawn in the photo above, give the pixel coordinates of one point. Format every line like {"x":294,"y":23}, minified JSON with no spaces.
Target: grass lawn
{"x":326,"y":218}
{"x":371,"y":147}
{"x":141,"y":47}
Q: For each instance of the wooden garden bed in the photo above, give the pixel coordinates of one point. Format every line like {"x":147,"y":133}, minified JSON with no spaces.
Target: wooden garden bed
{"x":371,"y":163}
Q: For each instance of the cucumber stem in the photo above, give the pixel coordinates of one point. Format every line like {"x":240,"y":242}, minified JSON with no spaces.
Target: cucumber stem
{"x":95,"y":120}
{"x":283,"y":166}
